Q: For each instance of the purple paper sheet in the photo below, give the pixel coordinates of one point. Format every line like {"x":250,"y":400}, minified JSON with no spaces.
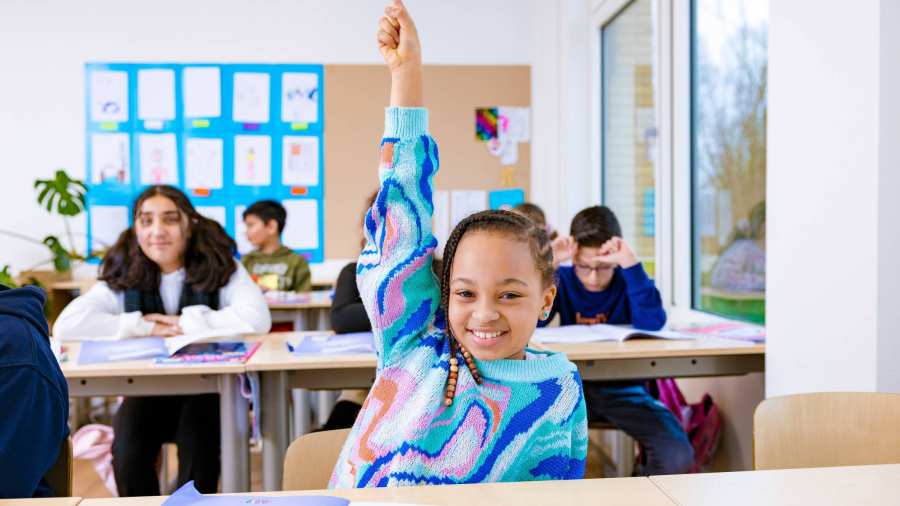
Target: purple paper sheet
{"x":187,"y":495}
{"x":138,"y":348}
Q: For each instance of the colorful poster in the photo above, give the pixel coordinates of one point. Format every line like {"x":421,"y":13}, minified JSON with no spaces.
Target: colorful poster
{"x":110,"y":158}
{"x":300,"y":161}
{"x":251,"y":97}
{"x":202,"y":92}
{"x":107,"y":222}
{"x":109,"y":96}
{"x":301,"y":231}
{"x":203,"y":163}
{"x":156,"y":94}
{"x":215,"y":213}
{"x":158,"y":158}
{"x":299,"y":97}
{"x":252,"y":160}
{"x":486,"y":123}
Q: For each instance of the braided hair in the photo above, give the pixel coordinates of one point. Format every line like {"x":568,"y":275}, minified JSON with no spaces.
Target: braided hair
{"x":502,"y":222}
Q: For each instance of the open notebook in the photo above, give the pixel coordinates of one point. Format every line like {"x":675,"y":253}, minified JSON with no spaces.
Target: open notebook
{"x":138,"y":348}
{"x":599,"y":332}
{"x":187,"y":495}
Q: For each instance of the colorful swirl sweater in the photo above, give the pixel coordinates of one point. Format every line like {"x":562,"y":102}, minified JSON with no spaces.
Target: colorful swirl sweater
{"x":527,"y":421}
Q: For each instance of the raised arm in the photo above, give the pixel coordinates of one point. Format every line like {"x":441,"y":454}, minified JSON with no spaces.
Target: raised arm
{"x":394,"y":270}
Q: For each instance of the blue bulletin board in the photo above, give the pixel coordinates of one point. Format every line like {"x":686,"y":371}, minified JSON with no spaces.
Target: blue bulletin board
{"x":226,"y":135}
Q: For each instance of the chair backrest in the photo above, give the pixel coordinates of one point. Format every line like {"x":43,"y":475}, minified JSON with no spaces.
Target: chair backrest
{"x":59,"y":477}
{"x":827,"y":429}
{"x":311,"y":458}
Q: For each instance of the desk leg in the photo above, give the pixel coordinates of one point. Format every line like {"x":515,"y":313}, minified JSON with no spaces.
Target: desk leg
{"x":324,"y":320}
{"x":274,"y":415}
{"x":235,"y":436}
{"x":301,"y":408}
{"x":300,"y":320}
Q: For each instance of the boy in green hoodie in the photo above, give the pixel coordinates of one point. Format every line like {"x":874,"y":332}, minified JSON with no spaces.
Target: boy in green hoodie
{"x":273,"y":265}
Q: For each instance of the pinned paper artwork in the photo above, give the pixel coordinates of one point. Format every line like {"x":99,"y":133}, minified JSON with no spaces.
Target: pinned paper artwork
{"x":110,"y":158}
{"x":109,"y":96}
{"x":300,"y":161}
{"x":107,"y":222}
{"x":156,"y":94}
{"x":513,"y":123}
{"x":203,"y":163}
{"x":202,"y":92}
{"x":215,"y":213}
{"x":240,"y":231}
{"x":466,"y":202}
{"x":299,"y":97}
{"x":252,"y":160}
{"x":159,"y":159}
{"x":251,"y":97}
{"x":506,"y":199}
{"x":302,"y":228}
{"x":485,"y":123}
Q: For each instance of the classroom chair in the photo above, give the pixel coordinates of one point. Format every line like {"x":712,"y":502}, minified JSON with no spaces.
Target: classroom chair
{"x":59,"y":477}
{"x":310,"y":459}
{"x":617,"y":456}
{"x":826,"y":430}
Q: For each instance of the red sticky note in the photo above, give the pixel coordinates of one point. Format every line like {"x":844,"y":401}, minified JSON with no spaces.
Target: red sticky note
{"x":299,"y":190}
{"x":201,"y":192}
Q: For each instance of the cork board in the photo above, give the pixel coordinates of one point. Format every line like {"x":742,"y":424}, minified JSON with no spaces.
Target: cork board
{"x":355,"y":97}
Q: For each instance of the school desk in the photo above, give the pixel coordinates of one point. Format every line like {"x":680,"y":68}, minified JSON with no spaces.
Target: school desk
{"x":858,"y":485}
{"x":618,"y":491}
{"x":306,"y":310}
{"x":634,"y":359}
{"x":54,"y":501}
{"x":142,"y":377}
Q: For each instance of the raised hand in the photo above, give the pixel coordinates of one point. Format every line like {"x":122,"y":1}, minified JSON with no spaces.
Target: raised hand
{"x":564,"y":248}
{"x":398,"y":41}
{"x":617,"y":251}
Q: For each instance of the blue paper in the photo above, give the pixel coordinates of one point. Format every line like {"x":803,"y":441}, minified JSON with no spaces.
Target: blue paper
{"x":138,"y":348}
{"x":506,"y":199}
{"x":188,"y":495}
{"x":356,"y":342}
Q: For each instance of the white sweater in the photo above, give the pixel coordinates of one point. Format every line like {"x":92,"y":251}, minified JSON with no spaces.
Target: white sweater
{"x":100,"y":313}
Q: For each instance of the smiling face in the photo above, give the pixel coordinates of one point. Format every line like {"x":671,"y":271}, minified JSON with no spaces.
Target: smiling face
{"x":496,"y":295}
{"x":593,"y":274}
{"x":162,"y":232}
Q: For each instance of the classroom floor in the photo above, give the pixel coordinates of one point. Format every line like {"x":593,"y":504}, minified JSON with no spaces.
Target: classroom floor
{"x":87,"y":484}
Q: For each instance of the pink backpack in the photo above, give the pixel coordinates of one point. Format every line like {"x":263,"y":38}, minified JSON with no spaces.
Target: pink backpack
{"x":701,"y":421}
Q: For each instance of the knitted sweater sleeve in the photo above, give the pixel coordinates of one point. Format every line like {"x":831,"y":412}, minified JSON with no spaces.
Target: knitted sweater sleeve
{"x":394,"y":274}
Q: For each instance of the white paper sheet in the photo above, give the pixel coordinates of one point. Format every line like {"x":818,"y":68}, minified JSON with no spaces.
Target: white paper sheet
{"x":110,"y":158}
{"x":216,"y":213}
{"x":599,"y":332}
{"x":240,"y":231}
{"x":159,"y":159}
{"x":109,"y":96}
{"x":107,"y":222}
{"x":251,"y":97}
{"x":202,"y":92}
{"x":441,"y":219}
{"x":252,"y":160}
{"x":302,"y":228}
{"x":514,"y":123}
{"x":466,"y":202}
{"x":156,"y":94}
{"x":299,"y":97}
{"x":203,"y":163}
{"x":300,"y":161}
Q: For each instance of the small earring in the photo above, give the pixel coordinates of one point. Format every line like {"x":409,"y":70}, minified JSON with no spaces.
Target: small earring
{"x":545,"y":315}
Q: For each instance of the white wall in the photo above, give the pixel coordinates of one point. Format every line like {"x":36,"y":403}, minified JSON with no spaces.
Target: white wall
{"x":44,"y":45}
{"x":832,"y":242}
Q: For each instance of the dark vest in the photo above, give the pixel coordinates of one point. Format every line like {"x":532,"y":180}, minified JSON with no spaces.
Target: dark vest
{"x":148,"y":302}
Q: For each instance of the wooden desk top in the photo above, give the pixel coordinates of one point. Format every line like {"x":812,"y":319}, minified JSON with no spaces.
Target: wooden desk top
{"x":875,"y":485}
{"x":72,"y":370}
{"x":52,"y":501}
{"x":619,"y":491}
{"x":273,"y":354}
{"x":316,"y":299}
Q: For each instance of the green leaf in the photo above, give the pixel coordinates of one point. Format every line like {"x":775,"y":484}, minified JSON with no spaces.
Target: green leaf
{"x":62,"y":193}
{"x":62,"y":261}
{"x":6,"y":278}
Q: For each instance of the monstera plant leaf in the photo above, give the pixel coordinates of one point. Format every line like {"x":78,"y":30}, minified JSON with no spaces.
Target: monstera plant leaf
{"x":62,"y":192}
{"x":62,"y":259}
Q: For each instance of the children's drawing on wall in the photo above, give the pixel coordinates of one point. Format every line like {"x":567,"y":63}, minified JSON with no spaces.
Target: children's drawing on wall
{"x":502,"y":129}
{"x":485,"y":123}
{"x":244,"y":245}
{"x":301,"y":231}
{"x":299,"y":97}
{"x":251,"y":97}
{"x":109,"y":96}
{"x":300,"y":161}
{"x":216,"y":213}
{"x":203,"y":163}
{"x":202,"y":92}
{"x":110,"y":158}
{"x":252,"y":160}
{"x":107,"y":222}
{"x":156,"y":94}
{"x":159,"y":159}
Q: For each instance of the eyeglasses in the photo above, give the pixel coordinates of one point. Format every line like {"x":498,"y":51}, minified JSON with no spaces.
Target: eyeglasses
{"x":587,"y":270}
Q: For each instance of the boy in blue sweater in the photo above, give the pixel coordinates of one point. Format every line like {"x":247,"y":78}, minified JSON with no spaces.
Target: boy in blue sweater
{"x":607,"y":284}
{"x":34,"y":398}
